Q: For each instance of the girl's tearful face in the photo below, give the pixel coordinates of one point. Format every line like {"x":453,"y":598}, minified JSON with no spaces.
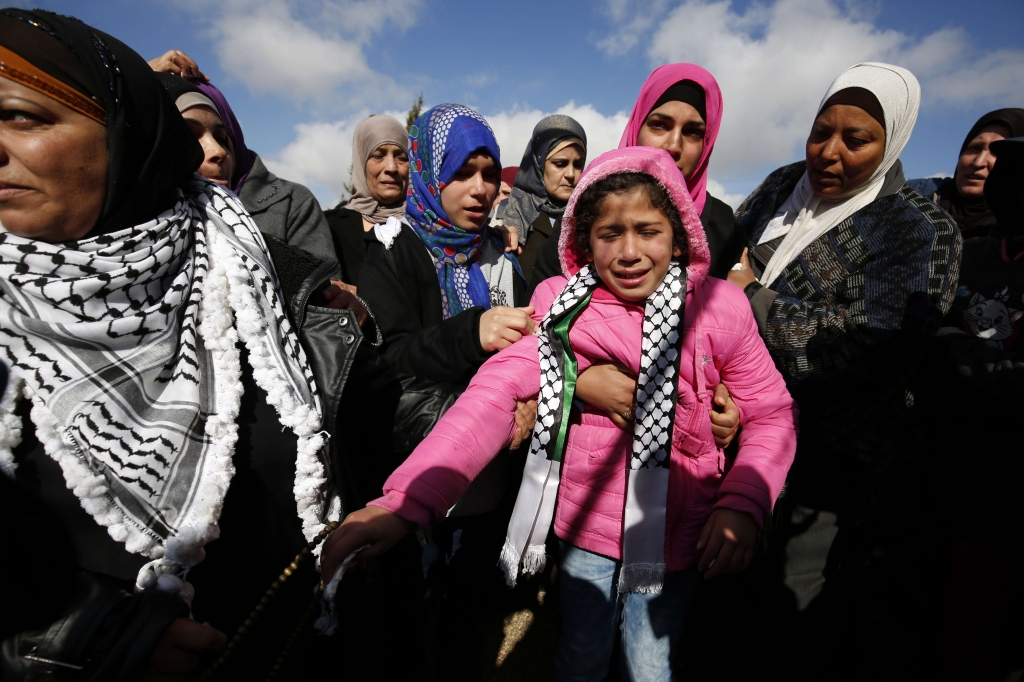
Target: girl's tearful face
{"x":631,"y":245}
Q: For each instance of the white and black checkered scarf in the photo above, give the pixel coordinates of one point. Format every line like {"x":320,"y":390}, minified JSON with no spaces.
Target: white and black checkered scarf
{"x":643,"y":544}
{"x":127,"y":345}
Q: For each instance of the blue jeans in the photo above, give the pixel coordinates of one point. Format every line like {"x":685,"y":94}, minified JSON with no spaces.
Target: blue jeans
{"x":649,"y":624}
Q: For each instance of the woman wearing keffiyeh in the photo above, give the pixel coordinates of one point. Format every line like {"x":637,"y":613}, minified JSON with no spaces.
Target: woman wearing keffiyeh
{"x":153,"y":358}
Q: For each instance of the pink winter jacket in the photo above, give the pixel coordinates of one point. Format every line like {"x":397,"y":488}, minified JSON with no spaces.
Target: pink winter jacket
{"x":591,"y":496}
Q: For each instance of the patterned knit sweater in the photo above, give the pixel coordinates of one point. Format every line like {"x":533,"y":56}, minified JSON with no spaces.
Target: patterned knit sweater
{"x":847,"y":322}
{"x":889,"y":268}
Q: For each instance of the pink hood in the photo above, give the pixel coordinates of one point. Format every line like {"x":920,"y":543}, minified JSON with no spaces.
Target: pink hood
{"x":658,"y":164}
{"x":660,"y":80}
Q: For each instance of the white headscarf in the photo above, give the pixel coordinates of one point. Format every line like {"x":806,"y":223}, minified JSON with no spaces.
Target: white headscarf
{"x":805,"y":216}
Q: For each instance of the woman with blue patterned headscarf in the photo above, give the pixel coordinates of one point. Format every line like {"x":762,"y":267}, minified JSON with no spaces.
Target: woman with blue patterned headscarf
{"x":440,"y":284}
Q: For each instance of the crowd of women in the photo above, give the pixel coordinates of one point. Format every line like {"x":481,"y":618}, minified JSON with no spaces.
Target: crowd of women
{"x":245,"y":438}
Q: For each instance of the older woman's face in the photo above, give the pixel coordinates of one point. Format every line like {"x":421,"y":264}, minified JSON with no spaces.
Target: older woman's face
{"x":676,"y":127}
{"x":562,"y":171}
{"x":976,"y":161}
{"x":218,"y":151}
{"x":845,"y":147}
{"x":387,"y":174}
{"x":53,"y":167}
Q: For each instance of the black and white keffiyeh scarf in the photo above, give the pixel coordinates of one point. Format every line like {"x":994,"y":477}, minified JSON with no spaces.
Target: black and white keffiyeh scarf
{"x":643,"y":544}
{"x":126,"y":344}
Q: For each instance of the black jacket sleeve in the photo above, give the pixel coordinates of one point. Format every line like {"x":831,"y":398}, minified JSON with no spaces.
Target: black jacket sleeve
{"x":417,"y":341}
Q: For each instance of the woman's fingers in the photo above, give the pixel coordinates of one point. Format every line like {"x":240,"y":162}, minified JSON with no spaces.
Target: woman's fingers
{"x":181,"y":649}
{"x":723,"y":561}
{"x":712,"y":544}
{"x":188,"y":66}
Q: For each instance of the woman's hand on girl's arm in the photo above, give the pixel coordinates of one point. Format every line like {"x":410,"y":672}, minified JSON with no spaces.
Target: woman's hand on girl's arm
{"x":500,"y":327}
{"x":178,"y":63}
{"x":741,"y":275}
{"x":373,"y":526}
{"x":610,"y":388}
{"x":725,"y":417}
{"x":729,"y":537}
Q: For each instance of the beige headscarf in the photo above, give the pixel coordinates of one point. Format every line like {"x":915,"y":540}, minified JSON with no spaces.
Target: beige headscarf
{"x":371,"y":133}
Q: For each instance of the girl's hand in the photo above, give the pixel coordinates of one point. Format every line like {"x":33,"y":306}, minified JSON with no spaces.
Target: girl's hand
{"x":729,"y":536}
{"x":725,"y":417}
{"x":369,"y":526}
{"x":526,"y":417}
{"x":744,"y":275}
{"x":340,"y":295}
{"x":178,"y":63}
{"x":184,"y":646}
{"x":502,"y":326}
{"x":610,"y":388}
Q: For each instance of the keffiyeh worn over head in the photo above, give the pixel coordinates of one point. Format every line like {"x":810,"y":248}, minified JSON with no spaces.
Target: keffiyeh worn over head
{"x":662,"y":80}
{"x":370,"y":134}
{"x":643,"y":548}
{"x":529,"y":196}
{"x":125,"y":341}
{"x":805,"y":216}
{"x":440,"y":141}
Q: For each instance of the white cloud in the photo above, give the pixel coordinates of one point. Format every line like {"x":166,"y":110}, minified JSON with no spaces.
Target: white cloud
{"x":635,"y":18}
{"x":306,"y":50}
{"x":320,"y":156}
{"x":774,"y":62}
{"x":513,"y":129}
{"x":717,"y":190}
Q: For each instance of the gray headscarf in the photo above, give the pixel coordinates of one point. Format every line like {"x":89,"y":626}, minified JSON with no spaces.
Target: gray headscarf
{"x":371,"y":133}
{"x":528,"y":196}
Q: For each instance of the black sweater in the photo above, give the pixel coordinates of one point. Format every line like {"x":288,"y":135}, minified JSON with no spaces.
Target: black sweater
{"x":350,"y":240}
{"x":418,"y":341}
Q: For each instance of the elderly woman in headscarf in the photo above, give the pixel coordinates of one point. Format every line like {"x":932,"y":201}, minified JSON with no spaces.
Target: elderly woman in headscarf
{"x":547,"y":175}
{"x":380,"y":180}
{"x":160,"y":396}
{"x":963,"y":195}
{"x":849,"y":274}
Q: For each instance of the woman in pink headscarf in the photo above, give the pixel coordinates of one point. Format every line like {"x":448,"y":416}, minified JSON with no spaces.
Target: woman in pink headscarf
{"x":679,"y":109}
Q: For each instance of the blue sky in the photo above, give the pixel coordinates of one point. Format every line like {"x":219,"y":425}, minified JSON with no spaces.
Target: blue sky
{"x":300,"y":74}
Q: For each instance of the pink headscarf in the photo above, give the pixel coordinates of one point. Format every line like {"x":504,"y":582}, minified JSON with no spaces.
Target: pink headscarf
{"x":657,"y":83}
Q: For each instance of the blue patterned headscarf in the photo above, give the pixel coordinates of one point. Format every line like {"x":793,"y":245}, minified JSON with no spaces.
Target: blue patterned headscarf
{"x":440,"y":141}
